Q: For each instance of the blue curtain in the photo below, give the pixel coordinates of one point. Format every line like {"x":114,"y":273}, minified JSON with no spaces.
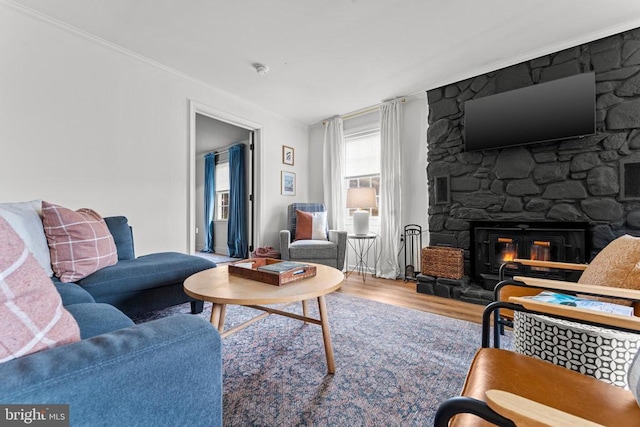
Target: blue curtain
{"x":237,"y":231}
{"x":209,"y":200}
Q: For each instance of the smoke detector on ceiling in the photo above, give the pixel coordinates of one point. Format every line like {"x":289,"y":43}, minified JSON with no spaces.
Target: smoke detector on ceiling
{"x":261,"y":69}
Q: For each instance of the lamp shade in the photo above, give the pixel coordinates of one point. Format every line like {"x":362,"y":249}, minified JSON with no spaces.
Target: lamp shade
{"x":361,"y":198}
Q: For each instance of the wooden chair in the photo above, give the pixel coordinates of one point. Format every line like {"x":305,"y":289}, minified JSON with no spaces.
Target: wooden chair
{"x":505,"y":388}
{"x":614,"y":266}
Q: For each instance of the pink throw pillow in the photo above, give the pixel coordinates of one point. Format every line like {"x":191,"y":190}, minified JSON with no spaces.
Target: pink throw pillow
{"x":80,"y":242}
{"x":31,"y":311}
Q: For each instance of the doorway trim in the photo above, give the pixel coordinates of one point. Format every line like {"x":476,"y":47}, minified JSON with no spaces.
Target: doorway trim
{"x":232,"y":119}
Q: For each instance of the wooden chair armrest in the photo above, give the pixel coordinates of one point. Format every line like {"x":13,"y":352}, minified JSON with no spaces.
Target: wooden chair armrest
{"x":551,"y":264}
{"x":528,"y":413}
{"x":608,"y":291}
{"x":600,"y":317}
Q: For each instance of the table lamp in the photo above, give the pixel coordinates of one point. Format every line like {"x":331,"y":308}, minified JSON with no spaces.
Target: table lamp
{"x":359,"y":199}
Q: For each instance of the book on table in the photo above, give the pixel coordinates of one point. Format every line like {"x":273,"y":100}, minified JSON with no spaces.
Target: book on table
{"x":588,"y":304}
{"x":283,"y":267}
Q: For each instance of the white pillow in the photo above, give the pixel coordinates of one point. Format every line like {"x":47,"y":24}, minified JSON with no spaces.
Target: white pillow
{"x":319,"y":227}
{"x":24,"y":218}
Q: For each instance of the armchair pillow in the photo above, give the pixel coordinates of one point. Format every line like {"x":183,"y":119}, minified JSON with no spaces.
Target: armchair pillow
{"x":79,"y":241}
{"x":31,"y":310}
{"x":311,"y":225}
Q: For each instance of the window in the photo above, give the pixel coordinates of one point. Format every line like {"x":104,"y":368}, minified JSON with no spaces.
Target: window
{"x":222,"y":191}
{"x":362,"y":163}
{"x":222,"y":205}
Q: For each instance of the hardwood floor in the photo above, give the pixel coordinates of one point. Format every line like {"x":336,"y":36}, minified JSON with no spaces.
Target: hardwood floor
{"x":403,"y":294}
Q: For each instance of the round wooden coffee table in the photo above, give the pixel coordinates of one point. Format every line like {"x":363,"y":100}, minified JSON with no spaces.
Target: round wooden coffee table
{"x":219,"y":287}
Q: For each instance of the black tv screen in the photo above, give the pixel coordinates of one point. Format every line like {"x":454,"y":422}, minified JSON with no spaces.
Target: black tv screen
{"x":558,"y":109}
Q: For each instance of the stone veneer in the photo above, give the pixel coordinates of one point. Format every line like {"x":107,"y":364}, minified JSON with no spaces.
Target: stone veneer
{"x":568,"y":180}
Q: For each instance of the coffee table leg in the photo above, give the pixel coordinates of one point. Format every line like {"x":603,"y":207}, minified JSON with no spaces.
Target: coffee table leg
{"x":217,"y":316}
{"x":223,"y":314}
{"x":305,"y":310}
{"x":326,"y":335}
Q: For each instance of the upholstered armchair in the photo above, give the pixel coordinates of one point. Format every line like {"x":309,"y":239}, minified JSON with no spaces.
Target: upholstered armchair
{"x":311,"y":241}
{"x":506,"y":388}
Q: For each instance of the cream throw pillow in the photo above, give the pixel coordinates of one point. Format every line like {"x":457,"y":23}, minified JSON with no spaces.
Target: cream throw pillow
{"x":617,"y":265}
{"x":25,"y":219}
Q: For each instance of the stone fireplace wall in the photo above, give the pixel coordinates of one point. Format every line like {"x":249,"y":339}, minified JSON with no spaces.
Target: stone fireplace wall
{"x":570,"y":180}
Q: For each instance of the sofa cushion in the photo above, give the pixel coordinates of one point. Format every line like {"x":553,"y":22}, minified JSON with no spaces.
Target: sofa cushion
{"x":97,"y":319}
{"x":311,"y":225}
{"x":31,"y":311}
{"x":71,"y":293}
{"x":145,"y":272}
{"x":122,"y":236}
{"x":79,"y":241}
{"x":25,"y":219}
{"x":313,"y":249}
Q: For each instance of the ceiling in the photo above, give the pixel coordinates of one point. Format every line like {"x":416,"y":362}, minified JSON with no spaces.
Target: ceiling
{"x":337,"y":56}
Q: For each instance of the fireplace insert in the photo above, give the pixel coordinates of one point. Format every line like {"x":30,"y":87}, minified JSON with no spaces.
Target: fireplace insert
{"x":496,"y":243}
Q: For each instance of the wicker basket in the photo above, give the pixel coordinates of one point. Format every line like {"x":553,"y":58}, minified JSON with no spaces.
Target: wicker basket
{"x":444,"y":262}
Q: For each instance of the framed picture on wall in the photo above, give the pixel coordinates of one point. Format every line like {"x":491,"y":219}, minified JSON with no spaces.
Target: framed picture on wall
{"x":288,"y":183}
{"x":287,"y":155}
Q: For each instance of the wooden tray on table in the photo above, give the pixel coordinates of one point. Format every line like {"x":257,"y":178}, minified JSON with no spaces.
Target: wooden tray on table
{"x":272,"y":271}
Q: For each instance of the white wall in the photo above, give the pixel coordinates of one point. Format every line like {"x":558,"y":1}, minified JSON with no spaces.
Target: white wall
{"x":83,"y":124}
{"x":414,"y":166}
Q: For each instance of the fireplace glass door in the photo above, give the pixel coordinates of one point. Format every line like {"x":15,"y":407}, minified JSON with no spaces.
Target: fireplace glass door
{"x":505,"y":248}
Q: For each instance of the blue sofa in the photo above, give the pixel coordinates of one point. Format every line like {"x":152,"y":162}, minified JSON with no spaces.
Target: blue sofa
{"x":164,"y":372}
{"x":133,"y":285}
{"x":143,"y":284}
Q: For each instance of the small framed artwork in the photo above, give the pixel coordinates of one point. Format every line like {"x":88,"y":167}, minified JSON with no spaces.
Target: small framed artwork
{"x":288,"y":183}
{"x":287,"y":155}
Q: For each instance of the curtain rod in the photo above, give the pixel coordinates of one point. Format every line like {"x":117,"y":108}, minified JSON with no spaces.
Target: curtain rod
{"x":364,"y":111}
{"x":223,"y":150}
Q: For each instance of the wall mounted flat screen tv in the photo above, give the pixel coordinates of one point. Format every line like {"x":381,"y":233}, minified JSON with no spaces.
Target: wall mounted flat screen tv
{"x":558,"y":109}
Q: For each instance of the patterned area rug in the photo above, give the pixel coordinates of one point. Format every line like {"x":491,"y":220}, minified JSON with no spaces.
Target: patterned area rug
{"x":394,"y":366}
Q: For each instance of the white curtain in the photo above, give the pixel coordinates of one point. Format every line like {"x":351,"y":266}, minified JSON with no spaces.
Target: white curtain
{"x":333,"y":173}
{"x":390,"y":190}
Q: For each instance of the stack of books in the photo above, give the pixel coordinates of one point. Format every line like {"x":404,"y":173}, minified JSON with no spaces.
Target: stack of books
{"x":284,"y":267}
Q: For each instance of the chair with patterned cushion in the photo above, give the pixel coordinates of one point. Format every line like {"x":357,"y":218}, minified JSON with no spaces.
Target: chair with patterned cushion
{"x":506,"y":388}
{"x":308,"y":239}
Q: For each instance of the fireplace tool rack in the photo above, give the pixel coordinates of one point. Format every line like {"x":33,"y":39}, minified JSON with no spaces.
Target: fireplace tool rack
{"x":412,"y":236}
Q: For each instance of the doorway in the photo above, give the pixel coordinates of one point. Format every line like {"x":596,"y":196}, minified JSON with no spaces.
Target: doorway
{"x":214,"y":132}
